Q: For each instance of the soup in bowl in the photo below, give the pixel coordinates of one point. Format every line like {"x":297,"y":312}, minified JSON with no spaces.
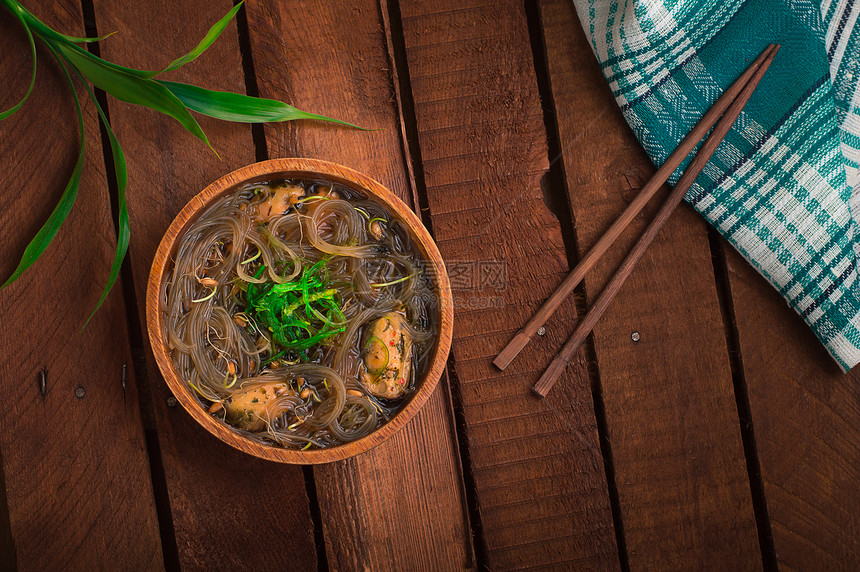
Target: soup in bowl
{"x":299,"y":311}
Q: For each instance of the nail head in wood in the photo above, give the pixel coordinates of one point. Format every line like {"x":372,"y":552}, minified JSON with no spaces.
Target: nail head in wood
{"x":42,"y":378}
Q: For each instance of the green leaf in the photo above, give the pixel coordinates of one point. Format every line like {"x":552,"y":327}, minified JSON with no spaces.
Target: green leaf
{"x":42,"y":29}
{"x":82,"y":53}
{"x":123,"y":231}
{"x":17,"y":106}
{"x":240,"y":108}
{"x":131,"y":88}
{"x":89,"y":40}
{"x":49,"y":230}
{"x":48,"y":34}
{"x":207,"y":40}
{"x":70,"y":41}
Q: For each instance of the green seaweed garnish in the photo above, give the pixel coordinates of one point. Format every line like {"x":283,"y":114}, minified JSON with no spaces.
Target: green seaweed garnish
{"x":300,"y":313}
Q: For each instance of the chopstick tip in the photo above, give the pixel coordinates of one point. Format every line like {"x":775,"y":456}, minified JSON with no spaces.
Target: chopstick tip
{"x":550,"y":375}
{"x":501,"y":362}
{"x":514,"y":347}
{"x":539,"y":392}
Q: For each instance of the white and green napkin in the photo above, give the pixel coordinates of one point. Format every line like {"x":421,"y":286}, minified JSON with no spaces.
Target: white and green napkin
{"x":780,"y":186}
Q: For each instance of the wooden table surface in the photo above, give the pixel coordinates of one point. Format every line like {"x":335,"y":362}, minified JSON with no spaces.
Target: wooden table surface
{"x":703,"y":427}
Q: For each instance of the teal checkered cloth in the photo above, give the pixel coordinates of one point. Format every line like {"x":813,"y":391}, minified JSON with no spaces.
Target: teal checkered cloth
{"x":779,"y":188}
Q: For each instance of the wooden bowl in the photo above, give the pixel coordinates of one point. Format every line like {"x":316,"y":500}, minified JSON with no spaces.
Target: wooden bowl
{"x":285,"y":169}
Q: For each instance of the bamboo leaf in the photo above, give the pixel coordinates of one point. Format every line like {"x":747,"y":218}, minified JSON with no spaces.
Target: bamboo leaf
{"x":84,"y":54}
{"x":207,"y":40}
{"x":131,"y":88}
{"x":240,"y":108}
{"x":49,"y":230}
{"x":123,"y":231}
{"x":70,"y":41}
{"x":137,"y":87}
{"x":89,"y":40}
{"x":42,"y":29}
{"x":16,"y":107}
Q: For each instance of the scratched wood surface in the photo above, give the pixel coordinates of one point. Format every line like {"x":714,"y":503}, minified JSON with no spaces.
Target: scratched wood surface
{"x":77,"y":481}
{"x":689,"y":456}
{"x":725,"y":437}
{"x":539,"y":477}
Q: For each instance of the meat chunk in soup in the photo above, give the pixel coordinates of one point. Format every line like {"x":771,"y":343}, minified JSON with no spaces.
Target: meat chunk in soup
{"x":387,"y":356}
{"x":252,"y":409}
{"x":281,"y":200}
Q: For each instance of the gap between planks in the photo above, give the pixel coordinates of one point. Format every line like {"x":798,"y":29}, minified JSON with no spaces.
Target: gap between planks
{"x":393,"y":22}
{"x":571,"y":240}
{"x":261,"y":153}
{"x":530,"y":126}
{"x":136,"y":338}
{"x":727,"y":308}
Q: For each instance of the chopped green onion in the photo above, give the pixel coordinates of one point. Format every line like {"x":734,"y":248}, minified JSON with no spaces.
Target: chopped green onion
{"x":370,"y":340}
{"x":299,"y":312}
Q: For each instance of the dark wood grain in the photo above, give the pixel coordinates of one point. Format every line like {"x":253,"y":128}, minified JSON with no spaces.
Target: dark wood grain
{"x":753,"y":74}
{"x":672,"y":420}
{"x":76,"y":471}
{"x":226,"y":506}
{"x":340,"y":67}
{"x":806,"y":420}
{"x":76,"y":490}
{"x":537,"y":467}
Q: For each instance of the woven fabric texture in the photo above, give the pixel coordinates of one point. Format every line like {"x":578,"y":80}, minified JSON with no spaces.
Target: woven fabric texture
{"x":780,"y":188}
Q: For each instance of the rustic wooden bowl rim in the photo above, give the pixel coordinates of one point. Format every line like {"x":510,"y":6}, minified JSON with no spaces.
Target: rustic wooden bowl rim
{"x":296,"y":168}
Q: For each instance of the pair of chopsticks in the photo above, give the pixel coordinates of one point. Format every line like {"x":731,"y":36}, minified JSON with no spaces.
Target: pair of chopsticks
{"x":729,"y":106}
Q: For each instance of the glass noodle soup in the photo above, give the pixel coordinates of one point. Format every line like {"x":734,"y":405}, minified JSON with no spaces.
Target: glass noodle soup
{"x":299,"y":312}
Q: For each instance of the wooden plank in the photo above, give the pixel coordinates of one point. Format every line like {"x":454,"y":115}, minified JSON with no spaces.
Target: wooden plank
{"x":539,"y":476}
{"x":806,"y":419}
{"x":340,"y":67}
{"x":76,"y":472}
{"x":226,"y":506}
{"x":672,"y":420}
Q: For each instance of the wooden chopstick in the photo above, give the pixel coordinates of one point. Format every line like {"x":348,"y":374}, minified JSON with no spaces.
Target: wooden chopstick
{"x":680,"y":153}
{"x":698,"y":163}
